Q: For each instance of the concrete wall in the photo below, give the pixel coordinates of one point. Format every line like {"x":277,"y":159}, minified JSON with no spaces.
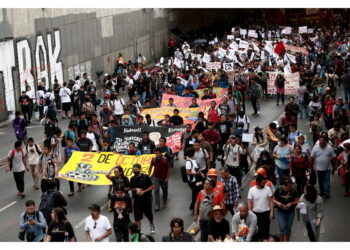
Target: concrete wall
{"x":44,"y":44}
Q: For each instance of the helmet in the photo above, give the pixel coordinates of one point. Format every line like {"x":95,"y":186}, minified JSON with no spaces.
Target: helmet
{"x":212,"y":172}
{"x":136,"y":165}
{"x":261,"y":171}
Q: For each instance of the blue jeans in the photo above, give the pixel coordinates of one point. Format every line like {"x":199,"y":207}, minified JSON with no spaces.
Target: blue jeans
{"x":282,"y":172}
{"x":285,"y":222}
{"x":324,"y":181}
{"x":303,"y":109}
{"x":347,"y":96}
{"x":160,"y":184}
{"x":280,"y":96}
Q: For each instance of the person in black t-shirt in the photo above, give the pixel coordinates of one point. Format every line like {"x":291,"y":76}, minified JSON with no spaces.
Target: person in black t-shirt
{"x":81,"y":124}
{"x":225,"y":129}
{"x":117,"y":179}
{"x":176,"y":119}
{"x":24,"y":101}
{"x":121,"y":206}
{"x":60,"y":229}
{"x":146,"y":146}
{"x":84,"y":144}
{"x":142,"y":186}
{"x":218,"y":226}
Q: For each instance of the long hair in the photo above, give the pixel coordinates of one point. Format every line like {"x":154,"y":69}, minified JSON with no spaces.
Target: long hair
{"x":60,"y":215}
{"x":311,"y":193}
{"x":120,"y":169}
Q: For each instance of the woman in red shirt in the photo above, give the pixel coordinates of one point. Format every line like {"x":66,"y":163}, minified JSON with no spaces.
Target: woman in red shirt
{"x":299,"y":165}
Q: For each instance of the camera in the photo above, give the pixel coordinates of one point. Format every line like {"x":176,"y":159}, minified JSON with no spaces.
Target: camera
{"x":30,"y":236}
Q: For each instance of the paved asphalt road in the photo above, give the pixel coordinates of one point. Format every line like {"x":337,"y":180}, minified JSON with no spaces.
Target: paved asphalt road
{"x":335,"y":220}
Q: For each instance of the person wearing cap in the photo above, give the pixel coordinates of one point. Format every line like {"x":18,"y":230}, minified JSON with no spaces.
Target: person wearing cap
{"x":231,"y":189}
{"x":260,"y":202}
{"x":141,"y":186}
{"x":97,"y":227}
{"x":286,"y":199}
{"x":219,"y":186}
{"x":232,"y":153}
{"x":301,"y":141}
{"x":218,"y":226}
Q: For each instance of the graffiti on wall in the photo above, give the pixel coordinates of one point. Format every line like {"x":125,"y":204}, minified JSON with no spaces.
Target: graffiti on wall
{"x":32,"y":65}
{"x":79,"y":69}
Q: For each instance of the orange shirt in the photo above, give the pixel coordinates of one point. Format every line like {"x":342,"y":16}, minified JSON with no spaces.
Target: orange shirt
{"x":220,"y":187}
{"x":217,"y":198}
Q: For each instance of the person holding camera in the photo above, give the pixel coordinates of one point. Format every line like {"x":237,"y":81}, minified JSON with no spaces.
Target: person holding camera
{"x":32,"y":224}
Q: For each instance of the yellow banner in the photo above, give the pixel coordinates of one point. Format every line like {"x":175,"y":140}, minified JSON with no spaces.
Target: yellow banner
{"x":91,"y":168}
{"x":159,"y":113}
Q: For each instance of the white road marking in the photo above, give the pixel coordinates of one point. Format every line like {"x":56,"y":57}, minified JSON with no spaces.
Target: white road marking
{"x":83,"y":221}
{"x":7,"y":206}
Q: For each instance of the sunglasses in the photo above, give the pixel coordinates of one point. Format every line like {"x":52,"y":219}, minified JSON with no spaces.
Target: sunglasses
{"x":95,"y":225}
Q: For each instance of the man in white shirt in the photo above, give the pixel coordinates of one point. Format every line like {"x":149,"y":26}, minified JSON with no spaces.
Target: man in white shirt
{"x":94,"y":138}
{"x":260,"y":202}
{"x":65,"y":94}
{"x":118,"y":106}
{"x":97,"y":227}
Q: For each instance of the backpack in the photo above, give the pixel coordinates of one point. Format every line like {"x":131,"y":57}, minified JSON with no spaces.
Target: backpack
{"x":22,"y":234}
{"x":306,"y":98}
{"x":19,"y":131}
{"x":47,"y":204}
{"x":37,"y":147}
{"x":63,"y":142}
{"x":206,"y":204}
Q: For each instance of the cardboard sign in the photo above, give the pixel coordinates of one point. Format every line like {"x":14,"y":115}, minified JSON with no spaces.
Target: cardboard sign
{"x":228,"y":67}
{"x":230,"y":37}
{"x":213,"y":65}
{"x":243,"y":32}
{"x":286,"y":30}
{"x":206,"y":58}
{"x":302,"y":29}
{"x":310,"y":31}
{"x":247,"y":137}
{"x":252,"y":33}
{"x":243,"y":45}
{"x":295,"y":49}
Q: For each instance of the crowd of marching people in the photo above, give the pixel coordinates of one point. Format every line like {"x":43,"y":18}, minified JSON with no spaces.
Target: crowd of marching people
{"x":287,"y":162}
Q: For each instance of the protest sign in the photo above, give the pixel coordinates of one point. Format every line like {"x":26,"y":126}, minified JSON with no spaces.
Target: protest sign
{"x":243,"y":45}
{"x":230,"y":37}
{"x":252,"y":33}
{"x":247,"y":137}
{"x":206,"y":58}
{"x":213,"y":65}
{"x":291,"y":84}
{"x":295,"y":49}
{"x":159,"y":113}
{"x":310,"y":31}
{"x":302,"y":29}
{"x":90,"y":168}
{"x":243,"y":32}
{"x":128,"y":134}
{"x":228,"y":67}
{"x":286,"y":30}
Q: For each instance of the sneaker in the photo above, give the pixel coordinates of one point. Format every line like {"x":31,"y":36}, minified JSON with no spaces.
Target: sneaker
{"x":258,"y":113}
{"x":346,"y":194}
{"x":156,"y":209}
{"x":152,"y":228}
{"x":71,"y":194}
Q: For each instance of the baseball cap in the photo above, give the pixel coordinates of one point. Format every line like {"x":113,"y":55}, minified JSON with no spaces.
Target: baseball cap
{"x":95,"y":207}
{"x":233,"y":137}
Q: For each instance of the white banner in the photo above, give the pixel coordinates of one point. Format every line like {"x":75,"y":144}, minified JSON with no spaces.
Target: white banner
{"x":291,"y":85}
{"x":252,"y":33}
{"x":228,"y":67}
{"x":303,"y":29}
{"x":213,"y":65}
